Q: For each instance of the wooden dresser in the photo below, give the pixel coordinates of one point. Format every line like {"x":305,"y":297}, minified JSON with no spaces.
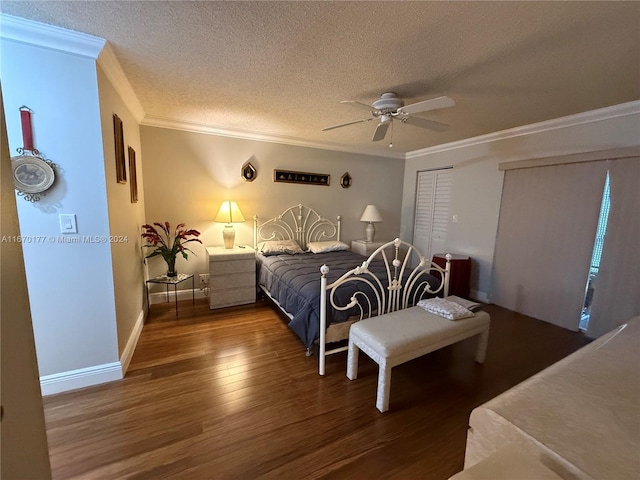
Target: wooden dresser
{"x":232,"y":276}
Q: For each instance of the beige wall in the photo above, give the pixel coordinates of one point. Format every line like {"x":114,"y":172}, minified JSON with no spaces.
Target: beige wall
{"x":125,"y":217}
{"x":187,"y":176}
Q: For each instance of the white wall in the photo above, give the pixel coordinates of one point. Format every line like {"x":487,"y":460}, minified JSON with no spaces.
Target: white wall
{"x":477,"y":185}
{"x":71,"y":287}
{"x":187,"y":176}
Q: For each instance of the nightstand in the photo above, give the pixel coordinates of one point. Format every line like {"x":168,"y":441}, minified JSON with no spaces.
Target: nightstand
{"x":232,"y":276}
{"x":460,"y":274}
{"x":364,"y":248}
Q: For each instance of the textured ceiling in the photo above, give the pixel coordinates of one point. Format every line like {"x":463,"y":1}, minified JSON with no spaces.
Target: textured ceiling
{"x":282,"y":68}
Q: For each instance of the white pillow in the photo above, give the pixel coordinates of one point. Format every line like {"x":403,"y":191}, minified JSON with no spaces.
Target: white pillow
{"x":445,"y":308}
{"x":329,"y":246}
{"x":278,"y":247}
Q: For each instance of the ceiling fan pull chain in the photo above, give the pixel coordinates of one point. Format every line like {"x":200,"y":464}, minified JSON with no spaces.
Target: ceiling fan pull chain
{"x":391,"y":142}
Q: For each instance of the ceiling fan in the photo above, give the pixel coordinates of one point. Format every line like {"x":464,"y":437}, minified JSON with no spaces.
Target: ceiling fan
{"x":389,"y":107}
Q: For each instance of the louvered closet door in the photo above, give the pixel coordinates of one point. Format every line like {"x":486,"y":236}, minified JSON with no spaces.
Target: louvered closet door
{"x":433,"y":194}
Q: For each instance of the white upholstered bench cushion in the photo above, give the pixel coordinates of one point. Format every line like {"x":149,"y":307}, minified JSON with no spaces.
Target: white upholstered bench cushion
{"x":411,"y":329}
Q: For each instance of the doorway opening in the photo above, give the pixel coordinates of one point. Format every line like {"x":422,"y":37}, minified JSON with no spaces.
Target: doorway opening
{"x":596,"y":255}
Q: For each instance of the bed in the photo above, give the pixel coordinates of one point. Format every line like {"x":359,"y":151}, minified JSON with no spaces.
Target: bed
{"x":580,"y":417}
{"x":322,"y":287}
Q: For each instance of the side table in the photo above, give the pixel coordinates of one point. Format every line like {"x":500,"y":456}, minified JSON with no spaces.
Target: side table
{"x":232,"y":276}
{"x":163,"y":279}
{"x":460,"y":274}
{"x":364,"y":248}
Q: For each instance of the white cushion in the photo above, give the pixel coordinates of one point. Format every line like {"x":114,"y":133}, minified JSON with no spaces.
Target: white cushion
{"x":411,"y":329}
{"x":445,"y":308}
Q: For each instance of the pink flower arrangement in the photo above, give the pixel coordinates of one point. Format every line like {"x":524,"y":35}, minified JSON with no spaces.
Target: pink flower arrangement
{"x":169,"y":245}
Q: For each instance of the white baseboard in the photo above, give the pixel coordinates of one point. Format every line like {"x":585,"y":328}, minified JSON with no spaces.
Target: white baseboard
{"x":130,"y":347}
{"x":161,"y":297}
{"x":83,"y":377}
{"x":479,"y":296}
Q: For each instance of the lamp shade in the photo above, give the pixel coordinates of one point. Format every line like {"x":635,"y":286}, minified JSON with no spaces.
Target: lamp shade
{"x":229,"y":213}
{"x":371,"y":214}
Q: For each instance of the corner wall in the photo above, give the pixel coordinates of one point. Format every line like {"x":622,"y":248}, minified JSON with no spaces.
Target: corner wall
{"x":477,"y":183}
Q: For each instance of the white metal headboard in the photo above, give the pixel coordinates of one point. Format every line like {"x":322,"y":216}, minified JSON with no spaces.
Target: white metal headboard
{"x":300,"y":223}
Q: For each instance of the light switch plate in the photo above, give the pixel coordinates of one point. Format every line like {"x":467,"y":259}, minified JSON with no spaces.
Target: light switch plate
{"x":68,"y":223}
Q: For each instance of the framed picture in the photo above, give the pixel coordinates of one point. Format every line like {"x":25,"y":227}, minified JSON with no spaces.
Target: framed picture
{"x":287,"y":176}
{"x":121,"y":169}
{"x":133,"y":175}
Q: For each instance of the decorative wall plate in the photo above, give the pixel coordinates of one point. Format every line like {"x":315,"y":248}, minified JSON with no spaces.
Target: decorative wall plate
{"x":32,"y":174}
{"x":249,"y":172}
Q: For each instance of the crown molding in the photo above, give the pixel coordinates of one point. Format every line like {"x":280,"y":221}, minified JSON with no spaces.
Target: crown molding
{"x":39,"y":34}
{"x":113,"y":70}
{"x":606,"y":113}
{"x":162,"y":122}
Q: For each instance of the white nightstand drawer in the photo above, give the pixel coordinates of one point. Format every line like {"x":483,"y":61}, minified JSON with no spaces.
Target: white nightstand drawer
{"x":232,"y":281}
{"x":233,"y":266}
{"x":230,"y":297}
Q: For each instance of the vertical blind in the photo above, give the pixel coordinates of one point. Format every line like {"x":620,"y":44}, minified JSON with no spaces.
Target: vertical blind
{"x":616,"y":296}
{"x":546,"y":231}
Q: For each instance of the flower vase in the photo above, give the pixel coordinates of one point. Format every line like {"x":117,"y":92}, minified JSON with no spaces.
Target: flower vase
{"x":171,"y":267}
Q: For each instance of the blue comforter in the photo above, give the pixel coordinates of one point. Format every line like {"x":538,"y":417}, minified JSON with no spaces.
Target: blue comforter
{"x":294,"y":282}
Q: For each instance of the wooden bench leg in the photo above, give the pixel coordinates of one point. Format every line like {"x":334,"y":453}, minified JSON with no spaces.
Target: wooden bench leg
{"x":352,"y":360}
{"x":384,"y":387}
{"x":481,"y":349}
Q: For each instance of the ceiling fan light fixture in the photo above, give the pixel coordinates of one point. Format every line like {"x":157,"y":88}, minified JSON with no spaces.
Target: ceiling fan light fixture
{"x":388,"y":102}
{"x":389,"y":107}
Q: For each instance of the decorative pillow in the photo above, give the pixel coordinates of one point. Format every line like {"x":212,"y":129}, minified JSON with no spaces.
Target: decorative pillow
{"x":445,"y":308}
{"x":278,"y":247}
{"x":330,"y":246}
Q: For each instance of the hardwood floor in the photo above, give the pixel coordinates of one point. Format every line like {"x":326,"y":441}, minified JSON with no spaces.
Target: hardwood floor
{"x":229,"y":394}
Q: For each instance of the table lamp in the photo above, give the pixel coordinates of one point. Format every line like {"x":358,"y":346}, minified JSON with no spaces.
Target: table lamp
{"x":371,"y":215}
{"x":229,"y":213}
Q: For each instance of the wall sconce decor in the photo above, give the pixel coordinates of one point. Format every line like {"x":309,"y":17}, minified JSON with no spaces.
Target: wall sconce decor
{"x":346,"y":180}
{"x":229,"y":213}
{"x":249,"y":172}
{"x":372,"y":215}
{"x":287,"y":176}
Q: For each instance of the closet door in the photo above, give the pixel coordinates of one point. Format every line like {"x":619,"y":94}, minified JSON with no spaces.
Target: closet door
{"x":431,"y":220}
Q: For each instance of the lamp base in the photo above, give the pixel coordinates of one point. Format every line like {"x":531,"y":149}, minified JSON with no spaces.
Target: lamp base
{"x":370,"y":231}
{"x":229,"y":236}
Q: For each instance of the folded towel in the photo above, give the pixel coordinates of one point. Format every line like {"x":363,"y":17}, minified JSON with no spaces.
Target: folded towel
{"x":445,"y":308}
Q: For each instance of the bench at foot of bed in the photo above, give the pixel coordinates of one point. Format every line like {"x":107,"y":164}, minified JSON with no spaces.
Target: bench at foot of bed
{"x":400,"y":336}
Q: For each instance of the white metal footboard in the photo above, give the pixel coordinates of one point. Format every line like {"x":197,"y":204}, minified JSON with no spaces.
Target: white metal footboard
{"x":404,"y":286}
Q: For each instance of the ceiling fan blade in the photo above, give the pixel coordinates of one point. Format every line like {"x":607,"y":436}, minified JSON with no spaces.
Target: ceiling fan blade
{"x":426,"y":105}
{"x":381,"y":131}
{"x":424,"y":123}
{"x":360,"y":105}
{"x":346,"y":124}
